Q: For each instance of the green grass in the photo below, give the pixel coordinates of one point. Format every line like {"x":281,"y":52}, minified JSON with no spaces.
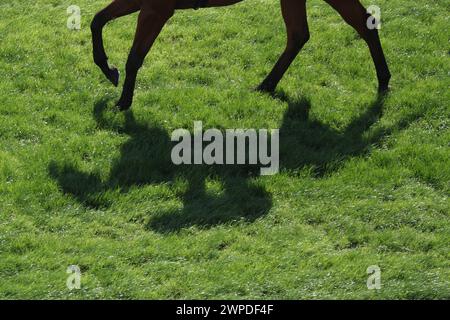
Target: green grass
{"x":362,"y":182}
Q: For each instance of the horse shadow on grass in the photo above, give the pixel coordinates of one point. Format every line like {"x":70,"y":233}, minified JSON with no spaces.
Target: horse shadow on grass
{"x":145,"y":160}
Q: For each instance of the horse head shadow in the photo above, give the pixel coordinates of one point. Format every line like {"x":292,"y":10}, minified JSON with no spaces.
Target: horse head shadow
{"x":145,"y":159}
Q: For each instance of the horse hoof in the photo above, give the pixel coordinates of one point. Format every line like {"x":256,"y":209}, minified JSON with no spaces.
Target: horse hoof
{"x":264,"y":88}
{"x":383,"y":89}
{"x":113,"y":76}
{"x":123,"y":105}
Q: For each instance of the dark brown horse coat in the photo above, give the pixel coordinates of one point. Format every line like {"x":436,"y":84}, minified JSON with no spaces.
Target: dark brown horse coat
{"x":155,"y":13}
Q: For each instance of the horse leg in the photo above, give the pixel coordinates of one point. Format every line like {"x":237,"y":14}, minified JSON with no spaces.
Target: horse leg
{"x":116,"y":9}
{"x":353,"y":12}
{"x":294,"y":14}
{"x":151,"y":20}
{"x":196,"y":4}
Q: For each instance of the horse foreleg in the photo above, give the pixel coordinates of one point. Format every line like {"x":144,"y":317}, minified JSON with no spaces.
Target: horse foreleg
{"x":353,"y":12}
{"x":294,"y":14}
{"x":115,"y":10}
{"x":151,"y":20}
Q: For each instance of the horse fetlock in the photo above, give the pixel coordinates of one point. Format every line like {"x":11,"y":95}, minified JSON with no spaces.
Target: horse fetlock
{"x":113,"y":76}
{"x":124,"y":102}
{"x":383,"y":82}
{"x":100,"y":60}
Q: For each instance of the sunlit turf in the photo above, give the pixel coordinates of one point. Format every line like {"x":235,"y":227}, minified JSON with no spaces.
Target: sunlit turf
{"x":364,"y":181}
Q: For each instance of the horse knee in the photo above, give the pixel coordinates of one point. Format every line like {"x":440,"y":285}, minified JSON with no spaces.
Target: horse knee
{"x":298,"y":40}
{"x":305,"y":38}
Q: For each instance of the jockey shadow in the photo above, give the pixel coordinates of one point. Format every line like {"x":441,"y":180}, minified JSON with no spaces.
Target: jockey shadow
{"x":145,"y":159}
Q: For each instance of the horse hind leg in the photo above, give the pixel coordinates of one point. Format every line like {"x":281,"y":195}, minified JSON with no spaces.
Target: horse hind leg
{"x":353,"y":12}
{"x":116,"y":9}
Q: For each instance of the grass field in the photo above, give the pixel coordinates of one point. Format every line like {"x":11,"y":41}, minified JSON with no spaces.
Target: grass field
{"x":363,"y":181}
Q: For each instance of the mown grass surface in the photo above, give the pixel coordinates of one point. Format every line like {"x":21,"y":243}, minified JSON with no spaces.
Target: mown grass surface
{"x":363,"y":181}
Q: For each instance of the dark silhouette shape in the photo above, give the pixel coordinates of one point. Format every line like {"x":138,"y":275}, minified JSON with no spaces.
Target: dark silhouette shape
{"x":145,"y":159}
{"x":155,"y":13}
{"x":310,"y":143}
{"x":306,"y":142}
